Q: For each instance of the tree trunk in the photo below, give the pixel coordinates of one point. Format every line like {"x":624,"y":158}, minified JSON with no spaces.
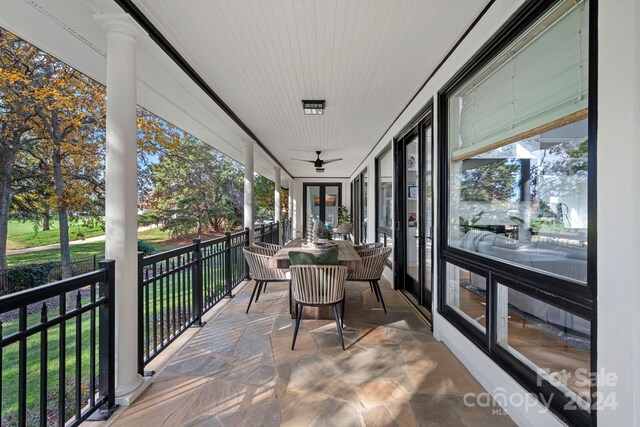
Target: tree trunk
{"x":8,"y":154}
{"x":63,"y":215}
{"x":46,"y":221}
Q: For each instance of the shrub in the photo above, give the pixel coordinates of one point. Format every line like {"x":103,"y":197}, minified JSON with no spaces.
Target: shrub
{"x":146,"y":248}
{"x":29,"y":276}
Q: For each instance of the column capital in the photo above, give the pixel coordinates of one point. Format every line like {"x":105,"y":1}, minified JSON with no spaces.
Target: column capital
{"x":249,"y":143}
{"x":118,"y":25}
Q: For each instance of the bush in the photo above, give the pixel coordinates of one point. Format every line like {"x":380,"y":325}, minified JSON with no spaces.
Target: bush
{"x":146,"y":248}
{"x":29,"y":276}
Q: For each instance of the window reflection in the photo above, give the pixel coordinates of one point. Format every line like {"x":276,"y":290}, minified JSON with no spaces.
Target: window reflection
{"x":552,"y":341}
{"x":526,"y":202}
{"x":467,"y":295}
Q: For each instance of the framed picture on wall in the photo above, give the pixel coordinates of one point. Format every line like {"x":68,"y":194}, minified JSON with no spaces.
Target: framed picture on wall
{"x":413,"y":192}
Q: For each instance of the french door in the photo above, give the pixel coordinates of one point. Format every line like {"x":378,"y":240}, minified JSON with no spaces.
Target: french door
{"x":414,"y":214}
{"x":321,"y":201}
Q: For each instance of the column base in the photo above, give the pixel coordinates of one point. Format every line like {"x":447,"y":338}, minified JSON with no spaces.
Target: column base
{"x":126,"y":394}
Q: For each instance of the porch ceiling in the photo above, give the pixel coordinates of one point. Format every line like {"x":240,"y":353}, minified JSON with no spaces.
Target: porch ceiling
{"x":366,"y":58}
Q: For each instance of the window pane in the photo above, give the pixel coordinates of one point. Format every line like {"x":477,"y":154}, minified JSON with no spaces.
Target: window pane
{"x":526,"y":203}
{"x":331,"y":205}
{"x":518,"y":150}
{"x":385,"y":191}
{"x":384,"y":165}
{"x":467,"y":295}
{"x":546,"y":338}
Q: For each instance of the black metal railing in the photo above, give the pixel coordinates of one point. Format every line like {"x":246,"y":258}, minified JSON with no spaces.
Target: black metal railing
{"x":26,"y":275}
{"x":175,"y":288}
{"x":267,"y":233}
{"x":287,"y":230}
{"x":57,"y":351}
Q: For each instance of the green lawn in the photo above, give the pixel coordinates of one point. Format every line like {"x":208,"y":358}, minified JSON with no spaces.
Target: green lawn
{"x":155,"y":236}
{"x":21,"y":234}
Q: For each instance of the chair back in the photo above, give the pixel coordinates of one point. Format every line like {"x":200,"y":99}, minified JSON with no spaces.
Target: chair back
{"x":318,"y":284}
{"x":373,"y":262}
{"x":344,"y":228}
{"x":258,"y":259}
{"x":365,"y":246}
{"x":273,"y":248}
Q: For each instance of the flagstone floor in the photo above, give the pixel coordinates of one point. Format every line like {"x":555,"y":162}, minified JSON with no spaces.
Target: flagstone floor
{"x":239,"y":370}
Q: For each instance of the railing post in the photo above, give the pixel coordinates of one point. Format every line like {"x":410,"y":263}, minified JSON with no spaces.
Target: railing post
{"x":140,"y":352}
{"x":247,"y":243}
{"x":227,"y":264}
{"x":197,"y":282}
{"x":107,"y":338}
{"x":278,"y":233}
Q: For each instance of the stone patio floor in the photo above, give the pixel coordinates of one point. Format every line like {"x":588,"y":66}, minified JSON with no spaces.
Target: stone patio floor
{"x":239,"y":370}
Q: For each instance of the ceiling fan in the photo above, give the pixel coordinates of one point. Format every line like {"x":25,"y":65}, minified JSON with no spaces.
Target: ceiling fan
{"x":318,"y":163}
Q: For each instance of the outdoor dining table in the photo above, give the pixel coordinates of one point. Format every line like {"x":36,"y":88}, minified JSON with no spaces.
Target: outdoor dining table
{"x":347,"y":256}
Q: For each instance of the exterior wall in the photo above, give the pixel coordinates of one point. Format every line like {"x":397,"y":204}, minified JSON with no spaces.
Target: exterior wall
{"x":619,"y":208}
{"x":618,"y":340}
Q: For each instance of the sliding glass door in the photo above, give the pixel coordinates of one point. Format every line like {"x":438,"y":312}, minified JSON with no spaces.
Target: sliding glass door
{"x":414,"y":223}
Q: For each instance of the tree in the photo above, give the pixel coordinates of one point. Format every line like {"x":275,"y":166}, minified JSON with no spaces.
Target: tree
{"x":196,"y":188}
{"x":263,"y":189}
{"x":19,"y":61}
{"x":70,"y":111}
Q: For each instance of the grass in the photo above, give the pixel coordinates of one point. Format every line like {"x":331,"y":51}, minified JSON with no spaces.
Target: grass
{"x":21,"y":234}
{"x":159,"y":239}
{"x":10,"y":364}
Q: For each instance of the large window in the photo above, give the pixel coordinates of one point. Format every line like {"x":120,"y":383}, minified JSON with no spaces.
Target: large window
{"x":384,"y":195}
{"x":516,"y":212}
{"x":364,"y":179}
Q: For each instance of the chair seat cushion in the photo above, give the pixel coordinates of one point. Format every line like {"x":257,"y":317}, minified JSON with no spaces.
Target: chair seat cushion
{"x":326,"y":257}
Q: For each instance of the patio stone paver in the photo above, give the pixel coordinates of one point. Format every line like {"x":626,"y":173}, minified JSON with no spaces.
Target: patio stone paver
{"x":239,"y":370}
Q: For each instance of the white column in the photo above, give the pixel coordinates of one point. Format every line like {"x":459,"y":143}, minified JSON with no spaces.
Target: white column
{"x":293,"y":209}
{"x":249,"y":218}
{"x":121,"y":243}
{"x":276,"y":198}
{"x":290,"y":201}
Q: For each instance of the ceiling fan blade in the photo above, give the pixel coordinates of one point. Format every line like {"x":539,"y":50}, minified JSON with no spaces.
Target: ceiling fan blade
{"x":303,"y":160}
{"x":330,"y":161}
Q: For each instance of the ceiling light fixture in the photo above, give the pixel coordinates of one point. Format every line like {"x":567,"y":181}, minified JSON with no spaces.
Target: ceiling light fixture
{"x":313,"y":108}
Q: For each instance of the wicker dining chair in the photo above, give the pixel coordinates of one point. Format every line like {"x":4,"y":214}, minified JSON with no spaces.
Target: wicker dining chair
{"x":365,"y":246}
{"x":272,"y":249}
{"x":373,"y":261}
{"x":258,"y":259}
{"x":318,"y":286}
{"x":271,"y":246}
{"x":344,"y":229}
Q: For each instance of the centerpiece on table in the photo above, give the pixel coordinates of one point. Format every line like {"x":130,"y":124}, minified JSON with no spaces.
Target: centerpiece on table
{"x":323,"y":235}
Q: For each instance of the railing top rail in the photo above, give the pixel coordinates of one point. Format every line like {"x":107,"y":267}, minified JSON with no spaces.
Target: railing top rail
{"x":161,"y":256}
{"x":40,"y":293}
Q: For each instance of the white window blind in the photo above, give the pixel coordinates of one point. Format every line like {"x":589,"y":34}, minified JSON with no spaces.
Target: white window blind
{"x":539,"y":83}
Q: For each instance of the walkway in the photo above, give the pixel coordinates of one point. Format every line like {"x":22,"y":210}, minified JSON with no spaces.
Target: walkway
{"x":239,"y":370}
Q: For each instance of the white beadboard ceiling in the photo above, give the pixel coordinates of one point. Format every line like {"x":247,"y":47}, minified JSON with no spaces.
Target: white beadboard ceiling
{"x":366,"y":58}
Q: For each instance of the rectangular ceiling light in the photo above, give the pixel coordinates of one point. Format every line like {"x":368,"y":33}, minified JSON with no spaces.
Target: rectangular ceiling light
{"x":313,"y":108}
